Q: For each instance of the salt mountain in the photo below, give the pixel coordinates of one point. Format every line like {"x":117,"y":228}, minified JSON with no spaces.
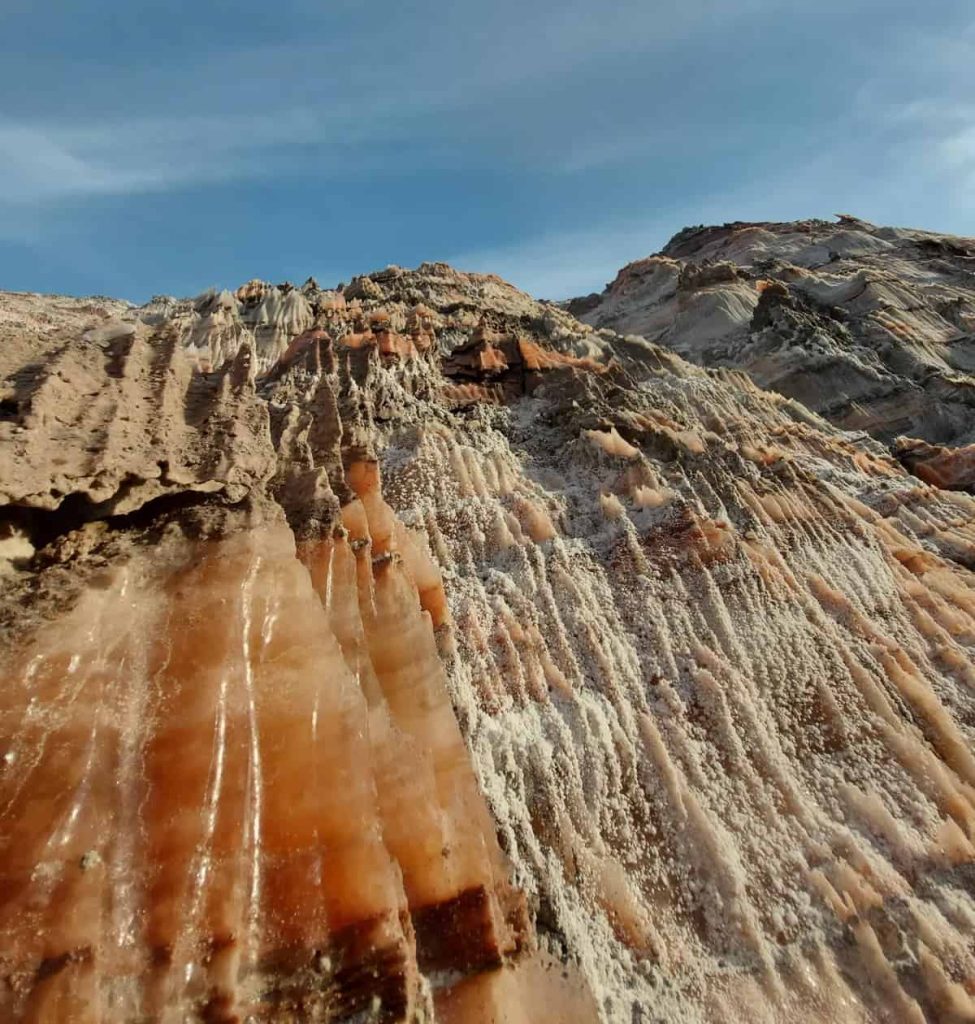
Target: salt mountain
{"x":415,"y":651}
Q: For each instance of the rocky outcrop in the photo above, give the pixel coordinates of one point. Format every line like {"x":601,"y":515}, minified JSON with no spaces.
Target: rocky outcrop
{"x":873,"y":328}
{"x":951,"y":468}
{"x":413,"y":651}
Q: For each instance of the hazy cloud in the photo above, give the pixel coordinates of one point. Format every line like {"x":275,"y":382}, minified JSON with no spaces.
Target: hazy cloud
{"x":551,"y":141}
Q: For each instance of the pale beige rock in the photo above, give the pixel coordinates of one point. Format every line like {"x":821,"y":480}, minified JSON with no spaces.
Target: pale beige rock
{"x":874,"y":328}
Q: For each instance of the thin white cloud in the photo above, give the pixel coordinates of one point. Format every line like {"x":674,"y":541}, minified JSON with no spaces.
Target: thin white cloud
{"x":915,"y":112}
{"x":38,"y":166}
{"x":458,"y":85}
{"x":45,"y":162}
{"x":520,"y":90}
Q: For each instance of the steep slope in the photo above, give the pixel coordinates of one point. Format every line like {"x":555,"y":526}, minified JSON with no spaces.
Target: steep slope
{"x":416,"y":652}
{"x":873,"y":328}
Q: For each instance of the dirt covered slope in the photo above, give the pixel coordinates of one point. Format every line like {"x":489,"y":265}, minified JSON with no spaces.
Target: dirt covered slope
{"x":415,"y":651}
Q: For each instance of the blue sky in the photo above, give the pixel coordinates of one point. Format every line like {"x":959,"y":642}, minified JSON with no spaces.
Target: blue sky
{"x":165,"y":148}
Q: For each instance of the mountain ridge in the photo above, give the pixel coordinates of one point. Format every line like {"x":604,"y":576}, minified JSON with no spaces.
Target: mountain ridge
{"x":417,"y":652}
{"x":872,"y":327}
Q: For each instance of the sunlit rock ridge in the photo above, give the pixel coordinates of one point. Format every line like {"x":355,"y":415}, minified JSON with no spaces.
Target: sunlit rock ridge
{"x":413,"y":651}
{"x":872,"y":327}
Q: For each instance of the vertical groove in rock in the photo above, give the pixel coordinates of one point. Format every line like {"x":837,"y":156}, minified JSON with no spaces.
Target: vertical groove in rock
{"x":417,"y":652}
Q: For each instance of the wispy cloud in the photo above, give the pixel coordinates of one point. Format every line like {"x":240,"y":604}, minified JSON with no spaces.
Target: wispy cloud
{"x":46,"y":162}
{"x":572,"y":136}
{"x":39,"y":166}
{"x":914,"y":111}
{"x":441,"y":95}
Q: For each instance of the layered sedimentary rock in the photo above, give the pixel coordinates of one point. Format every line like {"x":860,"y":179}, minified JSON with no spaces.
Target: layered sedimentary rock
{"x":874,"y":328}
{"x":413,"y":651}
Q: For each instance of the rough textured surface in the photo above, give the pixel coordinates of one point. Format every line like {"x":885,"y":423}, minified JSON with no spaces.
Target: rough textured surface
{"x":874,"y":328}
{"x":416,"y":652}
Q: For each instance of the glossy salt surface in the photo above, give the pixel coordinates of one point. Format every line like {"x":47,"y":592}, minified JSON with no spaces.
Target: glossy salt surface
{"x":233,"y":786}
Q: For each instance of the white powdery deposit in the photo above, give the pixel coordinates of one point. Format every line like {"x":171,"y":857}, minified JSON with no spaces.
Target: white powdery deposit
{"x":720,"y":780}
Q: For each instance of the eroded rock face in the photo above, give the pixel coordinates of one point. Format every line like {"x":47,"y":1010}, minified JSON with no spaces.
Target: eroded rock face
{"x":951,"y":468}
{"x":416,"y":652}
{"x":873,"y":328}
